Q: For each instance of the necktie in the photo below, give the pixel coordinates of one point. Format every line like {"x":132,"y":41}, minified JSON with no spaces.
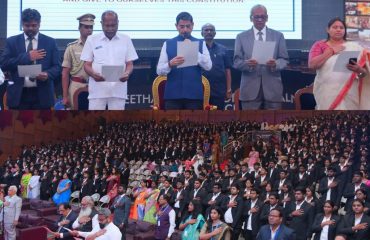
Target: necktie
{"x":30,"y":45}
{"x":260,"y":36}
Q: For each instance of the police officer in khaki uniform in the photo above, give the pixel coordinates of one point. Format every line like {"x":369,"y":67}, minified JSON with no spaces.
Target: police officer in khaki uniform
{"x":73,"y":74}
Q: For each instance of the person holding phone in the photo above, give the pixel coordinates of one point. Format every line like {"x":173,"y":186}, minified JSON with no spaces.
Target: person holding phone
{"x":346,"y":90}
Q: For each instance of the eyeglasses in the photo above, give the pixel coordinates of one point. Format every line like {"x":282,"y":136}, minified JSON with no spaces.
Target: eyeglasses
{"x":259,"y":17}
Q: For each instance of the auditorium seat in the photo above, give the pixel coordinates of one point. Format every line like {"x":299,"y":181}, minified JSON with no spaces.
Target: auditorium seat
{"x":159,"y":86}
{"x":80,"y":101}
{"x":304,"y":98}
{"x":31,"y":227}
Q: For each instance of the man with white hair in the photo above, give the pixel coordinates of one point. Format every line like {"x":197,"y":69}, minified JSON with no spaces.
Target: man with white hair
{"x":87,"y":218}
{"x":10,"y":213}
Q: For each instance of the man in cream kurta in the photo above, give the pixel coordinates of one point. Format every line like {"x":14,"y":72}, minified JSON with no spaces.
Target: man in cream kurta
{"x":107,"y":49}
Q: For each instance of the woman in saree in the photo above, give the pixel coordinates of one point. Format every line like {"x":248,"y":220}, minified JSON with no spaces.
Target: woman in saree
{"x":26,"y":177}
{"x":138,"y":209}
{"x":33,"y":188}
{"x":214,"y":228}
{"x":192,"y":222}
{"x":63,"y":193}
{"x":151,"y":206}
{"x":347,"y":89}
{"x":113,"y":181}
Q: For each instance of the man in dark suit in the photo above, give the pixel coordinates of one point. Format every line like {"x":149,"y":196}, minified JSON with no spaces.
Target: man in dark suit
{"x":167,"y":189}
{"x":275,"y":229}
{"x":330,"y":188}
{"x":65,"y":222}
{"x":29,"y":48}
{"x":86,"y":186}
{"x":234,"y":211}
{"x":260,"y":86}
{"x":300,"y":215}
{"x":121,"y":208}
{"x":45,"y":180}
{"x":350,"y":189}
{"x":179,"y":200}
{"x":266,"y":209}
{"x":252,"y":210}
{"x":198,"y":192}
{"x":214,"y":199}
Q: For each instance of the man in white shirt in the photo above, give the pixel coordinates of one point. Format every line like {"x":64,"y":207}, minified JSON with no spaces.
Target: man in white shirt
{"x":10,"y":213}
{"x":165,"y":219}
{"x":184,"y":88}
{"x":108,"y":49}
{"x":106,"y":230}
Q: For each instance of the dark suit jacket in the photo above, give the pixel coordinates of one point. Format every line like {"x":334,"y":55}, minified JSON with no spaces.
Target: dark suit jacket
{"x":121,"y":208}
{"x":183,"y":202}
{"x":255,"y":216}
{"x":284,"y":233}
{"x":316,"y":226}
{"x":349,"y":193}
{"x":71,"y":218}
{"x":346,"y":224}
{"x":220,"y":202}
{"x":236,"y":212}
{"x":87,"y":189}
{"x":15,"y":54}
{"x":335,"y":194}
{"x":300,"y":224}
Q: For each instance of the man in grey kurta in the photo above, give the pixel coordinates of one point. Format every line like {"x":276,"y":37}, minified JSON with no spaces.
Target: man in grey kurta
{"x":260,"y":86}
{"x":12,"y":210}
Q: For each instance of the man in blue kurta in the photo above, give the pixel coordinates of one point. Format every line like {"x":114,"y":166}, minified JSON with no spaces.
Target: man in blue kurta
{"x":184,"y":89}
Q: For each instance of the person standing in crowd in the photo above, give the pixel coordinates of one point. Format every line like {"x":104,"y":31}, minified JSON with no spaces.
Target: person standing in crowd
{"x":234,"y":211}
{"x":151,"y":203}
{"x":31,"y":47}
{"x":26,"y":177}
{"x":220,"y":74}
{"x":215,"y":228}
{"x":63,"y":193}
{"x":10,"y":213}
{"x":138,"y":209}
{"x":325,"y":224}
{"x":73,"y":73}
{"x":165,"y":219}
{"x":33,"y":188}
{"x":45,"y":183}
{"x":251,"y":215}
{"x":300,"y":215}
{"x":275,"y":229}
{"x":261,"y":86}
{"x":180,"y":92}
{"x":192,"y":221}
{"x":339,"y":90}
{"x":121,"y":210}
{"x":108,"y":48}
{"x":354,"y":226}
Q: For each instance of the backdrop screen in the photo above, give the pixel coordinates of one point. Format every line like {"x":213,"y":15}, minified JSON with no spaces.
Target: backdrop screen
{"x":155,"y":19}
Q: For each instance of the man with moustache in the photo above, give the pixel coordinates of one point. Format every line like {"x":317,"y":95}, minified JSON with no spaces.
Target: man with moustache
{"x":121,"y":209}
{"x":73,"y":73}
{"x":220,"y":75}
{"x":31,"y":47}
{"x":88,"y":217}
{"x":103,"y":49}
{"x":184,"y":88}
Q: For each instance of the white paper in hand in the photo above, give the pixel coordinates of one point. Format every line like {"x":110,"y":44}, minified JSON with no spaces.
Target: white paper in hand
{"x":112,"y":73}
{"x":29,"y":70}
{"x":263,"y":51}
{"x":343,"y":59}
{"x":189,"y":50}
